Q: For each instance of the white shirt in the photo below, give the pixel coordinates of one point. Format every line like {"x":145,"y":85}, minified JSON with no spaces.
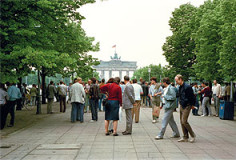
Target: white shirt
{"x":137,"y":91}
{"x":3,"y":96}
{"x":62,"y":89}
{"x":216,"y":89}
{"x":77,"y":93}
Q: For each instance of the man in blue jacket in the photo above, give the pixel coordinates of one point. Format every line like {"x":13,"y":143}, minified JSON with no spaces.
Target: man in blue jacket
{"x":187,"y":101}
{"x":14,"y":94}
{"x":169,"y":105}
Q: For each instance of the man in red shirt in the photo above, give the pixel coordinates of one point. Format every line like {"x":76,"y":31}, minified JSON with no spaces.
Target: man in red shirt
{"x":206,"y":91}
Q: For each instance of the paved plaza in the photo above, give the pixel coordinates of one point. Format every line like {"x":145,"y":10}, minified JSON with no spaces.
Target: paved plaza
{"x":54,"y":137}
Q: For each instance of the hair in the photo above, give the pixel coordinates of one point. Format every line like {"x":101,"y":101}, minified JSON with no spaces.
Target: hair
{"x":61,"y":82}
{"x":195,"y":83}
{"x":103,"y":80}
{"x":34,"y":85}
{"x":51,"y":82}
{"x":134,"y":80}
{"x":126,"y":78}
{"x":2,"y":85}
{"x":122,"y":82}
{"x":153,"y":79}
{"x":179,"y":76}
{"x":166,"y":80}
{"x":93,"y":80}
{"x":111,"y":80}
{"x":172,"y":84}
{"x":205,"y":83}
{"x":117,"y":80}
{"x":143,"y":82}
{"x":79,"y":79}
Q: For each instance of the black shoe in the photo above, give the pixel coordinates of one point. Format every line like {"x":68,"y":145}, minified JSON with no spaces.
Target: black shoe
{"x":126,"y":133}
{"x":123,"y":132}
{"x":115,"y":134}
{"x":107,"y":134}
{"x":111,"y":131}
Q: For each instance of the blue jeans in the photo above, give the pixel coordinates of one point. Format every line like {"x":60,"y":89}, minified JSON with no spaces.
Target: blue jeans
{"x":77,"y":112}
{"x":169,"y":119}
{"x":94,"y":109}
{"x":100,"y":102}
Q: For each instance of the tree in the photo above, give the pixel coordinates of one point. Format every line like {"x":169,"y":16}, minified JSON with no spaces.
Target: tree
{"x":179,"y":48}
{"x":156,"y":71}
{"x":208,"y":42}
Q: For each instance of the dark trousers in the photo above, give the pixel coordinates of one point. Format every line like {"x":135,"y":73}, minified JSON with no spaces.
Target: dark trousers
{"x":11,"y":110}
{"x":77,"y":112}
{"x":184,"y":114}
{"x":3,"y":111}
{"x":195,"y":111}
{"x":19,"y":104}
{"x":62,"y":103}
{"x":94,"y":109}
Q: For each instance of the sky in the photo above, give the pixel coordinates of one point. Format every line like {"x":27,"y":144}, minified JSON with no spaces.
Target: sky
{"x":138,"y":28}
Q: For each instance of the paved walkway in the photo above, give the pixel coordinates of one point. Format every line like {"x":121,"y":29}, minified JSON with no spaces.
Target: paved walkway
{"x":55,"y":138}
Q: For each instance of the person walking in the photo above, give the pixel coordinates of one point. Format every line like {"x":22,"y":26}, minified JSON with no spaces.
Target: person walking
{"x":128,"y":103}
{"x":33,"y":94}
{"x":206,"y":91}
{"x":114,"y":103}
{"x":78,"y":95}
{"x":62,"y":89}
{"x":94,"y":96}
{"x":138,"y":91}
{"x":51,"y":93}
{"x":155,"y":91}
{"x":217,"y":91}
{"x":169,"y":105}
{"x":14,"y":94}
{"x":187,"y":101}
{"x":102,"y":96}
{"x":3,"y":105}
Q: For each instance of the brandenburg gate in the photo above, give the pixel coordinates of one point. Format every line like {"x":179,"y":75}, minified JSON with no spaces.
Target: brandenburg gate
{"x":115,"y":65}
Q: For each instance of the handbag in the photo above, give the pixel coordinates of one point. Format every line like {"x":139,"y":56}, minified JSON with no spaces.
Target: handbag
{"x":105,"y":100}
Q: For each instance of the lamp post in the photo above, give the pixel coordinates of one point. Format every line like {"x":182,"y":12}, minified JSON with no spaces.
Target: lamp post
{"x":149,"y":71}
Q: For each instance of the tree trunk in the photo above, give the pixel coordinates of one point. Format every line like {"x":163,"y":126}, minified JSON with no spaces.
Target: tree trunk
{"x":43,"y":75}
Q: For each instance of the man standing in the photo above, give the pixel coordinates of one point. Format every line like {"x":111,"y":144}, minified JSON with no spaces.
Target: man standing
{"x":3,"y":106}
{"x":195,"y":92}
{"x":169,"y":105}
{"x":128,"y":102}
{"x":155,"y":91}
{"x":14,"y":94}
{"x":94,"y":96}
{"x":187,"y":100}
{"x":216,"y":89}
{"x":206,"y":91}
{"x":138,"y":91}
{"x":77,"y":101}
{"x":51,"y":92}
{"x":62,"y":89}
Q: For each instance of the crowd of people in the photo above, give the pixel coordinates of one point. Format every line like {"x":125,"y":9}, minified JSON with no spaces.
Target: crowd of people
{"x":114,"y":96}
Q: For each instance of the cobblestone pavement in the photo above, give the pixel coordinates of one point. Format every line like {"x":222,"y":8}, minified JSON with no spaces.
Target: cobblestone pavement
{"x":55,"y":138}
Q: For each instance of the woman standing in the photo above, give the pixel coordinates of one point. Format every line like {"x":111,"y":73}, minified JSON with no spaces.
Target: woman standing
{"x":114,"y":103}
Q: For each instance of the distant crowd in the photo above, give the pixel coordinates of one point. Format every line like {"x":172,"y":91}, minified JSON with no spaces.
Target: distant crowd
{"x":114,"y":96}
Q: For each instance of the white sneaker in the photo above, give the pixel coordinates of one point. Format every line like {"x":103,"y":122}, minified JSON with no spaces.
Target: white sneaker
{"x":92,"y":121}
{"x":202,"y":115}
{"x":158,"y":138}
{"x":192,"y":139}
{"x":183,"y":140}
{"x":154,"y":121}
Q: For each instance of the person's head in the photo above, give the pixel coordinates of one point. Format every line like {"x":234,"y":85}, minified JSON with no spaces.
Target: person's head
{"x":61,"y":82}
{"x":111,"y":80}
{"x":141,"y":80}
{"x":126,"y":79}
{"x":146,"y":83}
{"x":89,"y":82}
{"x":195,"y":84}
{"x":153,"y":80}
{"x":215,"y":82}
{"x":122,"y":82}
{"x":93,"y":80}
{"x":179,"y":79}
{"x":34,"y":85}
{"x":166,"y":81}
{"x":204,"y":84}
{"x":79,"y":80}
{"x":117,"y":80}
{"x":51,"y":82}
{"x":103,"y":80}
{"x":134,"y":80}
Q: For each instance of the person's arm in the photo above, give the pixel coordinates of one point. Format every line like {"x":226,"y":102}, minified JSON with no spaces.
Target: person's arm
{"x":129,"y":94}
{"x":141,"y":90}
{"x":83,"y":91}
{"x":171,"y":95}
{"x":104,"y":88}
